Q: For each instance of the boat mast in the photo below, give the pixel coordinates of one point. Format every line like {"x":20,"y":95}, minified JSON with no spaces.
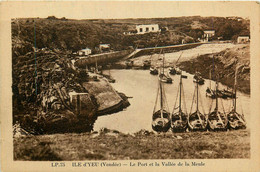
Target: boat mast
{"x":216,"y":82}
{"x":109,"y":71}
{"x":161,"y":95}
{"x":210,"y":78}
{"x":235,"y":88}
{"x":180,"y":92}
{"x":197,"y":87}
{"x":163,"y":63}
{"x":96,"y":65}
{"x":161,"y":98}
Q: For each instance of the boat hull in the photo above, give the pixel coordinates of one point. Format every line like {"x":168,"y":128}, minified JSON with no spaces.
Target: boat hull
{"x":179,"y":122}
{"x":236,"y":121}
{"x":172,"y":71}
{"x":161,"y":123}
{"x":197,"y":122}
{"x":153,"y":71}
{"x":165,"y":79}
{"x":217,"y":121}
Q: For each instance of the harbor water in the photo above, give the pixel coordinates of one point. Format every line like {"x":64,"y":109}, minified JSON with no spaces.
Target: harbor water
{"x":142,"y":87}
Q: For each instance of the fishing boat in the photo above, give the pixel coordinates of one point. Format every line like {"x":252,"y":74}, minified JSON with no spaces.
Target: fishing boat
{"x":235,"y":120}
{"x":197,"y":121}
{"x":153,"y":70}
{"x":174,"y":70}
{"x":229,"y":94}
{"x":164,"y":77}
{"x":217,"y":120}
{"x":178,"y":71}
{"x":146,"y":64}
{"x":179,"y":118}
{"x":98,"y":69}
{"x":212,"y":93}
{"x":198,"y":78}
{"x":161,"y":118}
{"x":109,"y":77}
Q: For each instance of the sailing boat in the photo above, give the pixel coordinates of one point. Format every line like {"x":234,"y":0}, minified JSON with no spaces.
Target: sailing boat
{"x":98,"y":69}
{"x":209,"y":92}
{"x":179,"y":119}
{"x":174,"y":70}
{"x":153,"y":69}
{"x":197,"y":120}
{"x":162,"y":76}
{"x":216,"y":119}
{"x":161,"y":118}
{"x":235,"y":120}
{"x":109,"y":77}
{"x":198,"y":78}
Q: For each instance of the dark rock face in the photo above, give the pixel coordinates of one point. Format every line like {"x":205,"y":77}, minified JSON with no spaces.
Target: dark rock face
{"x":42,"y":81}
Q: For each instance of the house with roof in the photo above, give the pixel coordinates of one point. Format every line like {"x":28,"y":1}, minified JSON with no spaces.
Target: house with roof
{"x":243,"y":39}
{"x":208,"y":34}
{"x":104,"y":47}
{"x":142,"y":29}
{"x":84,"y":52}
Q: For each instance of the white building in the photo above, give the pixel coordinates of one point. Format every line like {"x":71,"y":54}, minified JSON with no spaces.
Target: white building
{"x":208,"y":34}
{"x":85,"y":52}
{"x":104,"y":47}
{"x":242,"y":39}
{"x":142,"y":29}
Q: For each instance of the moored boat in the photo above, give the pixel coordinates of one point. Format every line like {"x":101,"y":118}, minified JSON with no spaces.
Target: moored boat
{"x":235,"y":120}
{"x":178,"y":71}
{"x":161,"y":118}
{"x":197,"y":121}
{"x":172,"y":70}
{"x":217,"y":120}
{"x":179,"y":118}
{"x":153,"y":70}
{"x":164,"y":77}
{"x":198,"y":78}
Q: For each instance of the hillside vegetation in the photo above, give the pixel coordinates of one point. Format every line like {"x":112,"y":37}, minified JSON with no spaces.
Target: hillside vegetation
{"x":73,"y":35}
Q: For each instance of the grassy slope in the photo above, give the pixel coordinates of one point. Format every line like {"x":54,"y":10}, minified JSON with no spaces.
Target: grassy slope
{"x":86,"y":146}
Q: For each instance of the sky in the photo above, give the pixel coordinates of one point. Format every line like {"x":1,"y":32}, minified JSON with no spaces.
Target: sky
{"x":127,"y":9}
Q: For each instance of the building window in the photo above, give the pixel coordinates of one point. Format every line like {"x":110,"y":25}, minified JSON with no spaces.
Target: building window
{"x":152,"y":28}
{"x":147,"y":29}
{"x":141,"y":29}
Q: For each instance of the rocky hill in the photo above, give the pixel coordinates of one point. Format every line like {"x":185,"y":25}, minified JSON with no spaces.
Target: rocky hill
{"x":225,"y":64}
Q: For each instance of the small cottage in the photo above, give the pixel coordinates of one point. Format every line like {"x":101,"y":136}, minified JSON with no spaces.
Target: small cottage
{"x":242,"y":39}
{"x":142,"y":29}
{"x":208,"y":34}
{"x":85,"y":52}
{"x":104,"y":47}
